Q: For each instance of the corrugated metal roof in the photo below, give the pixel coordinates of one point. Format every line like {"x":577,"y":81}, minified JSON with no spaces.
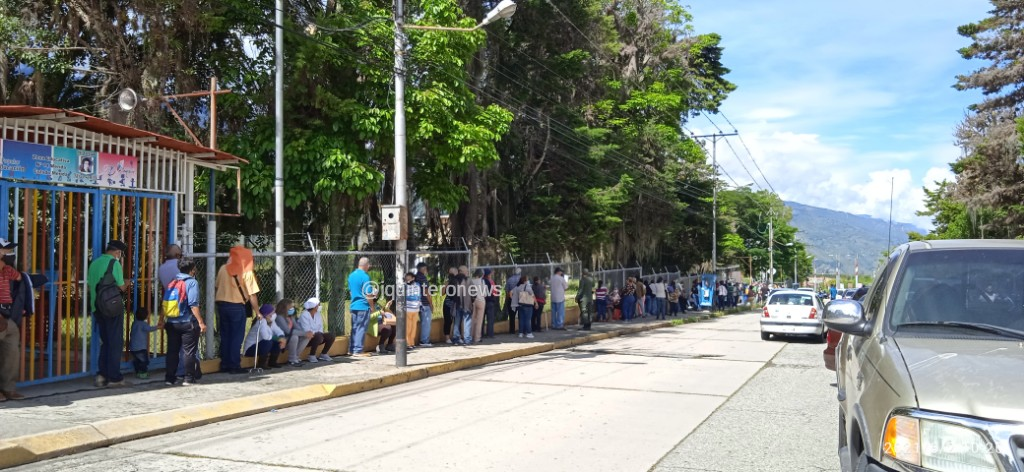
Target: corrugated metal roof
{"x":97,"y":125}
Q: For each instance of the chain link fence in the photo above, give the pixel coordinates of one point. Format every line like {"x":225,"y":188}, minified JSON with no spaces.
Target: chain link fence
{"x":320,"y":274}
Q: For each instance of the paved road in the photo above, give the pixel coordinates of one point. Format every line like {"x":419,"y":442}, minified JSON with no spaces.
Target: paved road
{"x":708,"y":396}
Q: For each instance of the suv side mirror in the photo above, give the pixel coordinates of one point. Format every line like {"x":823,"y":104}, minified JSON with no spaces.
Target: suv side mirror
{"x":847,"y":316}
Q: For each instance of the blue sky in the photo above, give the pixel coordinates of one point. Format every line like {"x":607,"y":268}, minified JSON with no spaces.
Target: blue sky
{"x":836,"y":98}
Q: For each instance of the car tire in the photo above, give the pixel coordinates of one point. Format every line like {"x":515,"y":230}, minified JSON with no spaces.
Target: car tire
{"x":765,"y":336}
{"x":862,"y":463}
{"x":823,"y":338}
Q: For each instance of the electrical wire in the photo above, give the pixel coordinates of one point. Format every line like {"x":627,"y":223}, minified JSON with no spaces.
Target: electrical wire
{"x":749,"y":153}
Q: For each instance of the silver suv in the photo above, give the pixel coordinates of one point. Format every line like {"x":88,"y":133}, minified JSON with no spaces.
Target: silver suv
{"x":931,"y":370}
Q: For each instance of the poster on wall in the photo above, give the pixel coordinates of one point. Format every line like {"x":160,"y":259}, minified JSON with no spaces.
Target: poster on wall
{"x":61,"y":165}
{"x":71,"y":166}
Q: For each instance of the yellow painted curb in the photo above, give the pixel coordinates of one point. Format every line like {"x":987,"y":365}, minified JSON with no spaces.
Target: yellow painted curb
{"x":27,"y":449}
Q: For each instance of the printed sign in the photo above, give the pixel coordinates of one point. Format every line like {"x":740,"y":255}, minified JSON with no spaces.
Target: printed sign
{"x":61,"y":165}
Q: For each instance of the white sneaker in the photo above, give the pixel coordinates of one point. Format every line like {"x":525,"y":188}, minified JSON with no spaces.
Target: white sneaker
{"x":529,"y":336}
{"x":312,"y":360}
{"x":426,"y":345}
{"x":325,"y":358}
{"x":520,"y":335}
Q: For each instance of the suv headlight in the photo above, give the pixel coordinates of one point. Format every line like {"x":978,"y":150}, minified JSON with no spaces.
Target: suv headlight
{"x":937,"y":446}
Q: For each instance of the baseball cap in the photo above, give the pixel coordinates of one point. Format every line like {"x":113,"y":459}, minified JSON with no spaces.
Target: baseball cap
{"x":311,"y":303}
{"x":115,"y":244}
{"x":5,"y":244}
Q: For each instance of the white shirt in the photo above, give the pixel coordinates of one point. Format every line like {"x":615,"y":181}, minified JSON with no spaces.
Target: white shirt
{"x":310,"y":323}
{"x":265,"y":332}
{"x":413,"y":295}
{"x":558,"y":287}
{"x":658,"y":289}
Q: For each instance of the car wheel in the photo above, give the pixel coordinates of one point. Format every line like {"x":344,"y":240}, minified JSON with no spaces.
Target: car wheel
{"x":824,"y":336}
{"x":765,"y":336}
{"x":862,"y":463}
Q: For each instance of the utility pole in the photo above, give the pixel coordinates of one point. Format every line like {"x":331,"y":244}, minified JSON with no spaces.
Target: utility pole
{"x":714,"y":202}
{"x":279,"y":147}
{"x":771,"y":250}
{"x":401,"y":246}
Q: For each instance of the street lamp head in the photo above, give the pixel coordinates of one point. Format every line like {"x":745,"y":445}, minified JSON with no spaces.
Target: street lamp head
{"x":504,"y":9}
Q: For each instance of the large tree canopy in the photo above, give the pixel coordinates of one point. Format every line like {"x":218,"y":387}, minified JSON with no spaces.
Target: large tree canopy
{"x":560,"y":132}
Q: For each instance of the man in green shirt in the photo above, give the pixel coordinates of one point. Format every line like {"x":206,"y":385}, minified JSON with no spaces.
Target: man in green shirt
{"x":110,"y":330}
{"x":585,"y":299}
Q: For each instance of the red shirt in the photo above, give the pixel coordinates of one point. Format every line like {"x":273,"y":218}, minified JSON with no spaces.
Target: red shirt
{"x":7,"y":274}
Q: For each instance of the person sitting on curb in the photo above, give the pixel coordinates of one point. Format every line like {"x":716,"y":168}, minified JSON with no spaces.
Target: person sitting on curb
{"x":312,"y":324}
{"x":382,"y":325}
{"x":288,"y":322}
{"x":265,"y":338}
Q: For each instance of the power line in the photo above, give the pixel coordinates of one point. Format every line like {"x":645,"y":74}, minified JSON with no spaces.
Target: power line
{"x":744,"y":143}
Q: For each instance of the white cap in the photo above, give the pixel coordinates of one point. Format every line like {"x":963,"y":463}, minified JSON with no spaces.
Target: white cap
{"x":311,"y":303}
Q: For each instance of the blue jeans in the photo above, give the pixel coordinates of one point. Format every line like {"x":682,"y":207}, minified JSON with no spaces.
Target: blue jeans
{"x":426,"y":321}
{"x":463,"y":324}
{"x":601,"y":306}
{"x":628,"y":307}
{"x":557,"y":314}
{"x":111,"y":332}
{"x":231,"y":323}
{"x":525,"y":319}
{"x":360,"y":321}
{"x":662,"y":308}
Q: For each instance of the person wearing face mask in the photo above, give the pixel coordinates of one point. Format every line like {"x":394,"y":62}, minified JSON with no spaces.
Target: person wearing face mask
{"x":10,"y":338}
{"x":312,"y":324}
{"x":265,"y":339}
{"x":298,"y":338}
{"x":285,"y":319}
{"x":106,"y":270}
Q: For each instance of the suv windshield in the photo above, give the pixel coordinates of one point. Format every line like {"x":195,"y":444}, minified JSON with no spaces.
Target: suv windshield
{"x":963,"y":288}
{"x":791,"y":299}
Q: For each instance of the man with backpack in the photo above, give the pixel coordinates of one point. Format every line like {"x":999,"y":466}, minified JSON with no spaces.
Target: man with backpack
{"x":183,"y":323}
{"x":106,"y":302}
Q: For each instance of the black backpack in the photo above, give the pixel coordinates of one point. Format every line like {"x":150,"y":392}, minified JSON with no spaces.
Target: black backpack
{"x":109,"y":299}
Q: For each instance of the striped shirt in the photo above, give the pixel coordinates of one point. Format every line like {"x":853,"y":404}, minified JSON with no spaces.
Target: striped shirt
{"x":601,"y":294}
{"x":7,"y":275}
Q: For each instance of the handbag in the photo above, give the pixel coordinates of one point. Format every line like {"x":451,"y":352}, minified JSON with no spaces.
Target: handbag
{"x":526,"y":298}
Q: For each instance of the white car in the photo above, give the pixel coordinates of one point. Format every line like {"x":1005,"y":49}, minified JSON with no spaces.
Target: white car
{"x":793,"y":312}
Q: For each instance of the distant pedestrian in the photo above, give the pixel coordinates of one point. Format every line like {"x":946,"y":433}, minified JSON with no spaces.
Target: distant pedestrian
{"x":184,"y":330}
{"x":641,"y":297}
{"x":361,"y":303}
{"x":723,"y":294}
{"x":478,"y":294}
{"x":558,"y":286}
{"x":426,"y":304}
{"x":312,"y":323}
{"x":672,"y":296}
{"x":106,"y":279}
{"x":601,"y":301}
{"x":462,"y":332}
{"x":510,"y":284}
{"x":585,"y":299}
{"x":413,"y":298}
{"x":526,"y":303}
{"x":138,"y":342}
{"x":451,"y":303}
{"x":236,"y":298}
{"x":16,"y":297}
{"x":540,"y":294}
{"x":629,"y":304}
{"x":492,"y":301}
{"x":660,"y":299}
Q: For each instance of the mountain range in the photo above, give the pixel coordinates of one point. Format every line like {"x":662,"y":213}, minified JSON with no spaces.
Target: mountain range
{"x":828,"y":233}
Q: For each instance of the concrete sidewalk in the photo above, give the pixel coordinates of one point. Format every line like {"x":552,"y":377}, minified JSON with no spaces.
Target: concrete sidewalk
{"x":74,"y":416}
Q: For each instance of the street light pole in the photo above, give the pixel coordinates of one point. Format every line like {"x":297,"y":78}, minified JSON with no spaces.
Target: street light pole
{"x":504,"y":9}
{"x":279,"y":147}
{"x":714,"y":199}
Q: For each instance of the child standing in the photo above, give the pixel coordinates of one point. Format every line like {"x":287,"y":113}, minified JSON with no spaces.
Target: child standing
{"x":139,"y":342}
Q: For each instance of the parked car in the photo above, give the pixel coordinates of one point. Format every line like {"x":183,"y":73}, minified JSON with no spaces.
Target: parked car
{"x":929,"y":364}
{"x":792,"y":312}
{"x":848,"y":294}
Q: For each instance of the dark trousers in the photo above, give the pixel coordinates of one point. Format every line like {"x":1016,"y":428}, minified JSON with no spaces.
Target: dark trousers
{"x":511,"y":314}
{"x":387,"y":338}
{"x":111,"y":331}
{"x":231,"y":324}
{"x":449,"y":316}
{"x":490,"y":316}
{"x":602,"y":309}
{"x":140,"y":360}
{"x":537,"y":314}
{"x":271,"y":348}
{"x":327,"y":339}
{"x":182,"y":337}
